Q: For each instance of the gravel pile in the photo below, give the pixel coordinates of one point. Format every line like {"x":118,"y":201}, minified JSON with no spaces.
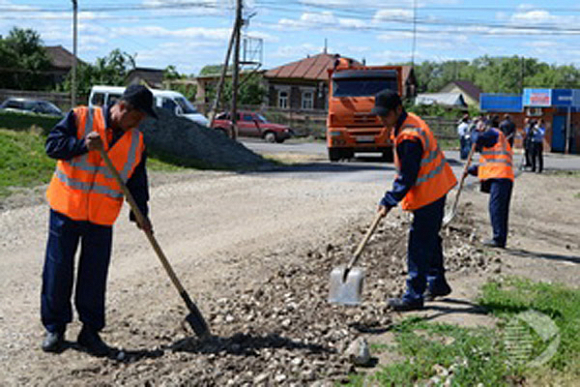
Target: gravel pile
{"x":285,"y":333}
{"x":191,"y":144}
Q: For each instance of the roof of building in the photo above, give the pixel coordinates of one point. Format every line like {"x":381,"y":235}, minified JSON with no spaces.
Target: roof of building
{"x":152,"y":77}
{"x":467,"y":86}
{"x":311,"y":68}
{"x":446,"y":99}
{"x":60,"y":57}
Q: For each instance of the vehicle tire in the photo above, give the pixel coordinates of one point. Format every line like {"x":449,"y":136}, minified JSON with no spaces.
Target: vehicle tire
{"x":223,"y":131}
{"x":388,"y":155}
{"x":334,"y":154}
{"x":270,"y":137}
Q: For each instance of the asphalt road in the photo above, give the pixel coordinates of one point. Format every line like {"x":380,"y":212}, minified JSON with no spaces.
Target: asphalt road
{"x":368,"y":167}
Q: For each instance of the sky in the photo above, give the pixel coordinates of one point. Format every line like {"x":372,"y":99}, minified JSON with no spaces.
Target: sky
{"x":190,"y":34}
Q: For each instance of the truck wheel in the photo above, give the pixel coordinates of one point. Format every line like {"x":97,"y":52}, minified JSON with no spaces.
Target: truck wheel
{"x":334,"y":154}
{"x":270,"y":137}
{"x":388,"y":155}
{"x":223,"y":131}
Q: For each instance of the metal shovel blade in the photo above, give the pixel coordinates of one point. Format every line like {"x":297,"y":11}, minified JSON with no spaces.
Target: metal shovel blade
{"x":448,"y":218}
{"x":346,"y":291}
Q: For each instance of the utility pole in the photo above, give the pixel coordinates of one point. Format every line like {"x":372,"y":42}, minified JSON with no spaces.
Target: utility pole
{"x":236,"y":72}
{"x":73,"y":89}
{"x":414,"y":33}
{"x":223,"y":76}
{"x":522,"y":74}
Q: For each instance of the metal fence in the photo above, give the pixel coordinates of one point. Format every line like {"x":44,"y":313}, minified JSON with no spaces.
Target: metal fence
{"x":313,"y":122}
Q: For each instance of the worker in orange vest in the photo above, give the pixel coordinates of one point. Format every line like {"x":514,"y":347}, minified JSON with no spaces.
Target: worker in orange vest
{"x":496,"y":174}
{"x":85,"y":201}
{"x":423,"y":180}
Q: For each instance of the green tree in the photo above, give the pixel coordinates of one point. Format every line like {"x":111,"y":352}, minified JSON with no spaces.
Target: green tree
{"x":24,"y":62}
{"x":171,"y":74}
{"x":111,"y":70}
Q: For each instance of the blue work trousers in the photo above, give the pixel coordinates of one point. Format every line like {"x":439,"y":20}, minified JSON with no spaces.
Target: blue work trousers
{"x":58,"y":274}
{"x":500,"y":194}
{"x":465,"y":147}
{"x":425,"y":253}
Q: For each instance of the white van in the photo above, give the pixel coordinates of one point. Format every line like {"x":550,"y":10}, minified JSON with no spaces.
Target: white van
{"x":164,"y":99}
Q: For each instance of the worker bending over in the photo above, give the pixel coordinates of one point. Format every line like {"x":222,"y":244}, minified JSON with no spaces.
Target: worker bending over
{"x":85,"y":201}
{"x":424,"y":178}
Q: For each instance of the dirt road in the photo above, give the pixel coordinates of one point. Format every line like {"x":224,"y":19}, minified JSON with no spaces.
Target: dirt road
{"x":231,"y":235}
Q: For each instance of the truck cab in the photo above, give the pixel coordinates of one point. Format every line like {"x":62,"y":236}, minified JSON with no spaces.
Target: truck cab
{"x":351,"y":127}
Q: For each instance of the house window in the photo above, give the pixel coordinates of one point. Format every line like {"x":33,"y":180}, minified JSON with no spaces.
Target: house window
{"x":307,"y":100}
{"x":283,"y":99}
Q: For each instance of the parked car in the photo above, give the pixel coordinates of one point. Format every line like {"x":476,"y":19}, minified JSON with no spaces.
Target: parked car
{"x":170,"y":100}
{"x":251,"y":124}
{"x":26,"y":105}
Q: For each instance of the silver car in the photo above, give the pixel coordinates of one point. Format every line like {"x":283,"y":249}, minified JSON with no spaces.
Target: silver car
{"x":26,"y":105}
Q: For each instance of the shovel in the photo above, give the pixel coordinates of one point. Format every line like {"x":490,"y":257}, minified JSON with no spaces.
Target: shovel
{"x":346,"y":283}
{"x":449,"y":216}
{"x":194,"y":318}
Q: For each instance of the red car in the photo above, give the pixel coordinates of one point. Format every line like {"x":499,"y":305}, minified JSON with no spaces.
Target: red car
{"x":252,"y":124}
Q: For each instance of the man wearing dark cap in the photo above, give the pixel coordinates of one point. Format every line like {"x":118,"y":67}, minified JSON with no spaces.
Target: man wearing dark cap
{"x":85,"y":201}
{"x":423,"y":180}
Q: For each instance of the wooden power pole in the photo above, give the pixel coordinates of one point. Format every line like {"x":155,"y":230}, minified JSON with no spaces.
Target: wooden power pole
{"x":73,"y":89}
{"x":236,"y":72}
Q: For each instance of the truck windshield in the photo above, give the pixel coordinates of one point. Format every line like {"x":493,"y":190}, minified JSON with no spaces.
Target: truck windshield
{"x":186,"y":106}
{"x":361,"y":87}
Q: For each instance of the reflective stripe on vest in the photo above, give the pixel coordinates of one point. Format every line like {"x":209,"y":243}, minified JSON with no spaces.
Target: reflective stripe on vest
{"x":86,"y":187}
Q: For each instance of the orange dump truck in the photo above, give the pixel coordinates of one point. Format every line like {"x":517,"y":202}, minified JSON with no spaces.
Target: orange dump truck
{"x":351,"y":128}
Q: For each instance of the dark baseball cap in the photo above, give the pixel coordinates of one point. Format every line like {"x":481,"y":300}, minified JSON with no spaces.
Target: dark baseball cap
{"x":386,"y":101}
{"x":140,"y":98}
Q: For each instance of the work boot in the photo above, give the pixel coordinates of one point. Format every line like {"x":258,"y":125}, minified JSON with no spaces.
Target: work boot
{"x":402,"y":305}
{"x":90,"y":340}
{"x":493,"y":243}
{"x":53,"y":342}
{"x":430,"y":295}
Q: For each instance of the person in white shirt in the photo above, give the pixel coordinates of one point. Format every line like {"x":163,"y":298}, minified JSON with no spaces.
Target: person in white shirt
{"x":463,"y":133}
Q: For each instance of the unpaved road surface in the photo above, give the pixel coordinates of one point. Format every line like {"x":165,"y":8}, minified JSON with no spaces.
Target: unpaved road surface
{"x":255,"y":253}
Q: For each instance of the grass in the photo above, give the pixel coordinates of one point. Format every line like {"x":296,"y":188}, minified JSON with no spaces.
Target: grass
{"x":508,"y":297}
{"x":461,"y":356}
{"x":24,"y":163}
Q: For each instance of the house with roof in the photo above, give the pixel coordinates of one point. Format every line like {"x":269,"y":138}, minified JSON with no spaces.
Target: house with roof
{"x":61,"y":61}
{"x":467,"y":89}
{"x":300,"y":85}
{"x":153,"y":78}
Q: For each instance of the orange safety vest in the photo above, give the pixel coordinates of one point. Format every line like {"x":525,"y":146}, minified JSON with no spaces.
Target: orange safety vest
{"x":82,"y":188}
{"x":496,"y":162}
{"x":435,"y":176}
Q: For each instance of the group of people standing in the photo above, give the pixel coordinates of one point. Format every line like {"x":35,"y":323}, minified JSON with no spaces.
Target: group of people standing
{"x":533,"y":137}
{"x":534,"y":132}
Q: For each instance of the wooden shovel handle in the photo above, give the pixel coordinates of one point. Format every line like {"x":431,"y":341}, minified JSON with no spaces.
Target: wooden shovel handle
{"x":363,"y":243}
{"x":463,"y":176}
{"x":142,"y":221}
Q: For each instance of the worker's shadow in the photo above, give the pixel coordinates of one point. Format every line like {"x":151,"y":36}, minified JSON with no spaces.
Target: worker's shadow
{"x":555,"y":257}
{"x":117,"y":354}
{"x":242,"y":344}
